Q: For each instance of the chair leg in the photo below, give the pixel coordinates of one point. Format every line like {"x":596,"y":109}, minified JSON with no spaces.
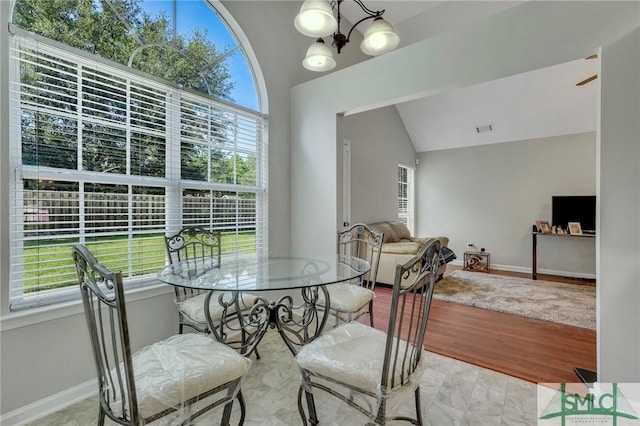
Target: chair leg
{"x":311,"y":406}
{"x":101,"y":416}
{"x":371,"y":313}
{"x":243,"y":408}
{"x":226,"y":414}
{"x":180,"y":328}
{"x":337,"y":318}
{"x":313,"y":416}
{"x":418,"y":406}
{"x":303,"y":415}
{"x":381,"y":417}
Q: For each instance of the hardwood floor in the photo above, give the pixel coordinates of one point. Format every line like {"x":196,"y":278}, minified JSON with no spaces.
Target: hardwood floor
{"x":530,"y":349}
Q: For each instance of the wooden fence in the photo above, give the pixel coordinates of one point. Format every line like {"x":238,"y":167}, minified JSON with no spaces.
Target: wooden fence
{"x":59,"y":212}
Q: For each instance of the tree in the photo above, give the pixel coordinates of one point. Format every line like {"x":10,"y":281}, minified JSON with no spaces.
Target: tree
{"x":115,"y":29}
{"x":122,"y":31}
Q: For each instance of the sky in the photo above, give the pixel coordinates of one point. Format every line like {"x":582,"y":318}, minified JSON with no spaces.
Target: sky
{"x":193,"y":14}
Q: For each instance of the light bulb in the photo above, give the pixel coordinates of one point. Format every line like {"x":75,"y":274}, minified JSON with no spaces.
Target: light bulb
{"x":319,"y":57}
{"x":379,"y":38}
{"x":315,"y":19}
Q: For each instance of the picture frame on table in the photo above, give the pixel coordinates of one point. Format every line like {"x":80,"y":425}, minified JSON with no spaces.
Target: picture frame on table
{"x":543,"y":226}
{"x":574,"y":228}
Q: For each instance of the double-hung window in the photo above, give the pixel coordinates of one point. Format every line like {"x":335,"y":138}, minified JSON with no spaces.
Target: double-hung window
{"x":113,"y":158}
{"x":405,"y":197}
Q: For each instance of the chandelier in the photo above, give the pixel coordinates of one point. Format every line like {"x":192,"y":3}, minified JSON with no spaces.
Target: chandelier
{"x":316,"y":19}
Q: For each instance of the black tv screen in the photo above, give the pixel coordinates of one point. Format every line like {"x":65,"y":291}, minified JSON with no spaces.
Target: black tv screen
{"x":574,"y":208}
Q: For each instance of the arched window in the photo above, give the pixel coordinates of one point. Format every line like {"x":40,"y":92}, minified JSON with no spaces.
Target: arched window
{"x":129,"y":119}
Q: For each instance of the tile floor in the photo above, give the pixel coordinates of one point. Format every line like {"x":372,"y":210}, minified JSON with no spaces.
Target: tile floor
{"x":453,"y":393}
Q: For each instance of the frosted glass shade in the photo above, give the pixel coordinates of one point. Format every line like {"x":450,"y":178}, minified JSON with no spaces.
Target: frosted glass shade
{"x":319,"y":57}
{"x":316,"y":19}
{"x":379,"y":38}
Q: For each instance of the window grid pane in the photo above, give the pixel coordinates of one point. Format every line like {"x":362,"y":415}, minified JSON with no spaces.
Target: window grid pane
{"x":93,"y":143}
{"x":405,"y":197}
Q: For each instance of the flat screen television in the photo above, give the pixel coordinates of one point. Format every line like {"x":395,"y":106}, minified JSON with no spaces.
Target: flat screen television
{"x":574,"y":208}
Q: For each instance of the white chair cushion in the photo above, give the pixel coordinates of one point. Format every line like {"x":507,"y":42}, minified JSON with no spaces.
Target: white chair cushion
{"x":346,"y":297}
{"x":170,"y":372}
{"x":193,"y":307}
{"x":351,"y":353}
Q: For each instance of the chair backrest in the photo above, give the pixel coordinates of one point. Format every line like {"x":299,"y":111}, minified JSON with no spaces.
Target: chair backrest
{"x":105,"y":312}
{"x":363,"y":242}
{"x":192,"y":243}
{"x":410,"y":303}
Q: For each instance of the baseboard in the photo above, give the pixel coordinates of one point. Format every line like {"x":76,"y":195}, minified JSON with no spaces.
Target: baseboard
{"x":527,"y":270}
{"x":49,"y":405}
{"x":567,"y":274}
{"x":497,"y":267}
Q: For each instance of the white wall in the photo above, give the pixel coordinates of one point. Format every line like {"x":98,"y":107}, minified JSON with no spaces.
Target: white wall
{"x":379,"y":142}
{"x":526,"y":37}
{"x":52,"y":356}
{"x":447,"y":16}
{"x":280,"y":49}
{"x":490,"y":195}
{"x":619,"y":188}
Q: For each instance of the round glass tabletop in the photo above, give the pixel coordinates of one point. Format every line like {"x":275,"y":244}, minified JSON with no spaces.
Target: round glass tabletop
{"x":249,"y":272}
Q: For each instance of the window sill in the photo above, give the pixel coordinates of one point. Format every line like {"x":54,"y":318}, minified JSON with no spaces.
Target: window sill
{"x":61,"y":310}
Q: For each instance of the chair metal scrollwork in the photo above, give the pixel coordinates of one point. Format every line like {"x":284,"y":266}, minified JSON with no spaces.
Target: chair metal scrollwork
{"x":198,"y":244}
{"x":367,"y":368}
{"x":163,"y":379}
{"x":349,"y":301}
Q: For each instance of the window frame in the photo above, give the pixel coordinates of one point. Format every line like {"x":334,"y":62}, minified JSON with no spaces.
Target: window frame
{"x":172,"y":182}
{"x":406,"y":214}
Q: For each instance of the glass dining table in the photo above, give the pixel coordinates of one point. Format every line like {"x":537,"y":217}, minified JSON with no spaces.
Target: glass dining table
{"x":237,"y":280}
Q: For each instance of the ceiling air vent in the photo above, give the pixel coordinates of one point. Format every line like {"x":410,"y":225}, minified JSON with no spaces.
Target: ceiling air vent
{"x":487,"y":128}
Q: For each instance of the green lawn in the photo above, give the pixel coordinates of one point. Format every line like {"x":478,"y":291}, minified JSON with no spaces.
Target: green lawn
{"x":49,"y":265}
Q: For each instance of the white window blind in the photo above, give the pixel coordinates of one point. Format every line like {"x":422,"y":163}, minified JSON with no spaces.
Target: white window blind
{"x":114,"y":159}
{"x":405,"y":197}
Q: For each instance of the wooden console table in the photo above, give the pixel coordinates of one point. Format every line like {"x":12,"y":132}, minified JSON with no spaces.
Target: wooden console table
{"x":534,"y":251}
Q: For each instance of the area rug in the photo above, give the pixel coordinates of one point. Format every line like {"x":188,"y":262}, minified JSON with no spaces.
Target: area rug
{"x":549,"y":301}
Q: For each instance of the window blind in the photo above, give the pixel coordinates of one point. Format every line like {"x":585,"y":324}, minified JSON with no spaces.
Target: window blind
{"x":405,"y":197}
{"x":115,"y":160}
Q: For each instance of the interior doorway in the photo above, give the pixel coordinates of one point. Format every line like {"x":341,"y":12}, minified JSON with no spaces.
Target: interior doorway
{"x":346,"y":182}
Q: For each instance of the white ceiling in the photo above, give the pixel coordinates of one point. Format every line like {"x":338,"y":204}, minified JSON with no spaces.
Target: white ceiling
{"x":532,"y":105}
{"x":396,"y":11}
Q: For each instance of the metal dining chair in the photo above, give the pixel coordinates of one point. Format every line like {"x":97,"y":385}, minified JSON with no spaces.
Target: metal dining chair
{"x":350,"y":301}
{"x":224,"y":315}
{"x":198,"y":244}
{"x":165,"y":378}
{"x":368,"y":368}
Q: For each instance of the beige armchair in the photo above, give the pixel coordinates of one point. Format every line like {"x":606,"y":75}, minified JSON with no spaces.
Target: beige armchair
{"x":398,"y":246}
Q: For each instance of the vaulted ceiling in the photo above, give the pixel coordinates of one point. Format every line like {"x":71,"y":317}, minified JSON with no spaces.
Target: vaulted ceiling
{"x":532,"y":105}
